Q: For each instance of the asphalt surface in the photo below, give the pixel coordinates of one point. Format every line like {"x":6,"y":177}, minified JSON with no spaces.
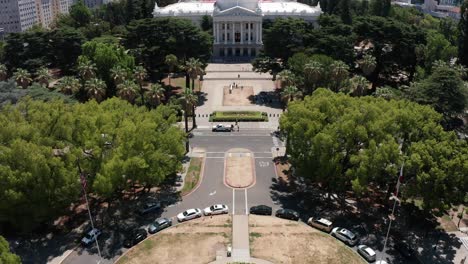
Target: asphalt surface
{"x":212,"y":189}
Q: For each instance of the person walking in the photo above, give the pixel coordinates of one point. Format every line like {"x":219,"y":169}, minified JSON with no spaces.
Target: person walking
{"x":237,"y":128}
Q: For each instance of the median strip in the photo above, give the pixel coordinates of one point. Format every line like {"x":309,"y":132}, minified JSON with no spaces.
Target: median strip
{"x":192,"y":178}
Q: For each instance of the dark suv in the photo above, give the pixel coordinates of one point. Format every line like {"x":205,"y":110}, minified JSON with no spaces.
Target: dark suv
{"x":149,"y":207}
{"x":287,"y":214}
{"x":134,"y":238}
{"x":261,"y":210}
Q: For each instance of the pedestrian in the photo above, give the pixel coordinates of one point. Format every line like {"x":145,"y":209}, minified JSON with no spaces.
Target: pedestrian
{"x":232,"y":127}
{"x":236,"y":85}
{"x":237,"y":128}
{"x":236,"y":122}
{"x":238,"y":75}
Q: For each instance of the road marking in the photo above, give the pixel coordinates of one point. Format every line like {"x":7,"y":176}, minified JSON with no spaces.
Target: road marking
{"x":464,"y":240}
{"x":214,"y":157}
{"x":264,"y":157}
{"x":213,"y":193}
{"x":233,"y":202}
{"x":263,"y":164}
{"x":246,"y":211}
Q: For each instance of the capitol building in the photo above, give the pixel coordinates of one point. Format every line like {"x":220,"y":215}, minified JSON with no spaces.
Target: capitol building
{"x":237,"y":24}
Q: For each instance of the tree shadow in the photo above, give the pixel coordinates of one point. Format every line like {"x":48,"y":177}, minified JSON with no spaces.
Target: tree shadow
{"x":267,"y":98}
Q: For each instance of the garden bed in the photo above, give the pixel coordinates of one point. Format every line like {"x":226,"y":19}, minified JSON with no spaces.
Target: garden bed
{"x":240,"y":116}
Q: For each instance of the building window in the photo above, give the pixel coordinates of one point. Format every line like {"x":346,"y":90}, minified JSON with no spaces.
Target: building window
{"x":251,"y":25}
{"x":237,"y":36}
{"x":246,"y":26}
{"x":227,"y":26}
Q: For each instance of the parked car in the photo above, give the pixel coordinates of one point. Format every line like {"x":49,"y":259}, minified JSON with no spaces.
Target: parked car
{"x":216,"y":209}
{"x":261,"y":210}
{"x":189,"y":214}
{"x":149,"y":207}
{"x":221,"y":128}
{"x":287,"y":214}
{"x":134,"y":238}
{"x":91,"y":236}
{"x":405,"y":249}
{"x":367,"y":253}
{"x":345,"y":235}
{"x":320,"y":223}
{"x":159,"y":225}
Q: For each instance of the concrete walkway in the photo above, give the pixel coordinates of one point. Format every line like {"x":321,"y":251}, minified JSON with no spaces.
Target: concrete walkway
{"x":240,"y":238}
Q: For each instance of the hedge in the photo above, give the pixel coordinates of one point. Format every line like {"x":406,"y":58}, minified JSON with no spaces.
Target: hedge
{"x":232,"y":116}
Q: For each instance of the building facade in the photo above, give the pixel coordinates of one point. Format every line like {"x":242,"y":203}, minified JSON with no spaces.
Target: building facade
{"x":237,"y":24}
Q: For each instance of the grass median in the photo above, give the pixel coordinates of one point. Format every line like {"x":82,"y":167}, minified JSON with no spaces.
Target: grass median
{"x":244,"y":116}
{"x":193,"y":175}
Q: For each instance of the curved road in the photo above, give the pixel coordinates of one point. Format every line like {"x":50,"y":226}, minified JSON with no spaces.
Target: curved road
{"x":212,"y":189}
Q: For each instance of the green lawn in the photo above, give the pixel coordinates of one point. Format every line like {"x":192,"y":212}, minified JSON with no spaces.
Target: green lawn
{"x":193,"y":175}
{"x":180,"y":82}
{"x":232,"y":116}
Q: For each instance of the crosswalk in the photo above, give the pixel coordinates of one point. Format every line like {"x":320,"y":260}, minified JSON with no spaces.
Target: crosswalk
{"x":464,"y":240}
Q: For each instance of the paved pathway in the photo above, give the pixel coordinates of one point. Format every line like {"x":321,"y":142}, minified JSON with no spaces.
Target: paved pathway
{"x":240,"y":238}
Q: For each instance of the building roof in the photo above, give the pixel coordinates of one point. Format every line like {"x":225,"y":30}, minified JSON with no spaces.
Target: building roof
{"x":206,"y":7}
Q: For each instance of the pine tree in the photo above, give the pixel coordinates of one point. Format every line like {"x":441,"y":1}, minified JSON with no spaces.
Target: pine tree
{"x":463,"y":37}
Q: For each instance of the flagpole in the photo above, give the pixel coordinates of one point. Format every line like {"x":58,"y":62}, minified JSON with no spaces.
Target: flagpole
{"x":83,"y":186}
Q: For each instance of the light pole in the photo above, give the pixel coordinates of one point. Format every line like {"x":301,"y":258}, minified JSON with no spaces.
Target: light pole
{"x":83,"y":186}
{"x":392,"y":216}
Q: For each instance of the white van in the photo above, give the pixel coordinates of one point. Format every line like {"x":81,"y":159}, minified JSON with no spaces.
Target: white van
{"x":321,"y":224}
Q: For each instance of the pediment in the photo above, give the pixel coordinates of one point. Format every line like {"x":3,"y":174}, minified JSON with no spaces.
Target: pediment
{"x":237,"y":11}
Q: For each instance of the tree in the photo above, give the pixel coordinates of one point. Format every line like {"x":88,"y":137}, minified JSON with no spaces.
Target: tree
{"x":119,"y":74}
{"x":69,"y":85}
{"x":289,"y":93}
{"x":127,"y":90}
{"x":339,"y":73}
{"x":206,"y":23}
{"x":367,"y":64}
{"x":66,"y":45}
{"x":444,"y":90}
{"x":3,"y":72}
{"x":190,"y":101}
{"x":287,"y":78}
{"x":43,"y":76}
{"x":194,"y":68}
{"x":6,"y":257}
{"x":153,"y":39}
{"x":86,"y":69}
{"x":348,"y":143}
{"x":28,"y":50}
{"x":154,"y":95}
{"x":314,"y":72}
{"x":463,"y":34}
{"x":437,"y":48}
{"x":267,"y":65}
{"x":171,"y":61}
{"x":80,"y":13}
{"x":358,"y":86}
{"x":345,"y":12}
{"x":22,"y":78}
{"x":140,"y":74}
{"x":95,"y":89}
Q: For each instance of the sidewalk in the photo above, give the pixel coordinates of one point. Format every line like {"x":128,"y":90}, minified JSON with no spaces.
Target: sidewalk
{"x":240,"y":238}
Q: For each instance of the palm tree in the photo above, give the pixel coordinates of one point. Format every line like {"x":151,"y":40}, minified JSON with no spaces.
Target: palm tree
{"x":118,"y":74}
{"x":87,"y":70}
{"x":190,"y":100}
{"x":127,"y":90}
{"x":140,"y":74}
{"x":43,"y":76}
{"x":69,"y":85}
{"x":287,"y":78}
{"x":96,"y":89}
{"x":313,"y":72}
{"x":22,"y":78}
{"x":339,"y":72}
{"x":368,"y":63}
{"x":155,"y":94}
{"x":289,"y":93}
{"x":171,"y":62}
{"x":194,"y":68}
{"x":3,"y":72}
{"x":359,"y":85}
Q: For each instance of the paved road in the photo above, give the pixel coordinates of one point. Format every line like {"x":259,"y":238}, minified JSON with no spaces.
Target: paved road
{"x":212,"y":189}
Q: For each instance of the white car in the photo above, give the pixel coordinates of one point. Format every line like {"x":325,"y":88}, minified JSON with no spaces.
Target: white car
{"x":216,"y":209}
{"x":189,"y":214}
{"x":90,"y":237}
{"x":367,"y":253}
{"x":345,"y":235}
{"x":221,"y":128}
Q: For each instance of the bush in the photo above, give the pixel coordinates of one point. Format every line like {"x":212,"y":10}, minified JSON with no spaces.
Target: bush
{"x":233,"y":116}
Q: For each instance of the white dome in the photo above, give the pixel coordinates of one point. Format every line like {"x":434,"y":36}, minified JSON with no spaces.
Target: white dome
{"x":226,"y":4}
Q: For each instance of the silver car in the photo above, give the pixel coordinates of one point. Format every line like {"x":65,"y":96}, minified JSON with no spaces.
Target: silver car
{"x":159,"y":225}
{"x":216,"y":209}
{"x":367,"y":253}
{"x":189,"y":214}
{"x":345,"y":235}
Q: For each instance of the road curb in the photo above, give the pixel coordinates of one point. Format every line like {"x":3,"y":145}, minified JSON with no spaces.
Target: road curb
{"x":254,"y":176}
{"x":64,"y":257}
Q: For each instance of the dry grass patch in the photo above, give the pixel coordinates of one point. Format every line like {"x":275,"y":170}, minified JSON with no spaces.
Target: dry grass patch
{"x":238,"y":96}
{"x":282,"y":241}
{"x":191,"y":242}
{"x":193,"y":175}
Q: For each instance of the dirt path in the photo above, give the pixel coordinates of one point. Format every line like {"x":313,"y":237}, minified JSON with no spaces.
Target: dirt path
{"x":239,"y":168}
{"x":283,"y":241}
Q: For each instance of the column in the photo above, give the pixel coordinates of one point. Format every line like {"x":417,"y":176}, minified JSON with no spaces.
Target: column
{"x":232,"y":37}
{"x":261,"y":32}
{"x":225,"y":33}
{"x":256,"y":32}
{"x":242,"y":33}
{"x":225,"y":52}
{"x":217,"y":32}
{"x":249,"y":30}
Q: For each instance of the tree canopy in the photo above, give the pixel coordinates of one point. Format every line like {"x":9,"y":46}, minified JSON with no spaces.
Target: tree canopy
{"x":6,"y":257}
{"x":117,"y":145}
{"x":346,"y":143}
